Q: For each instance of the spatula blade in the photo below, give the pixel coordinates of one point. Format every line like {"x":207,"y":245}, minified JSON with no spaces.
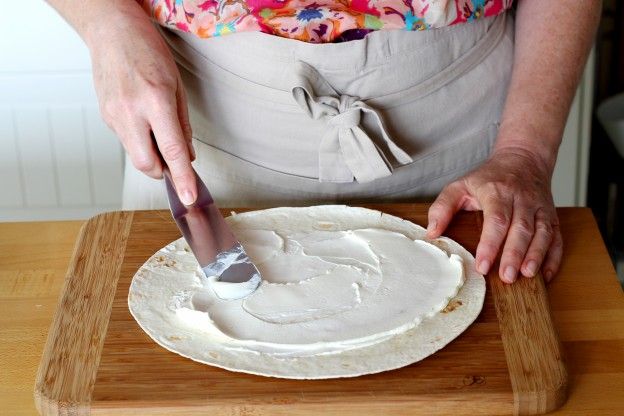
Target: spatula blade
{"x":210,"y":238}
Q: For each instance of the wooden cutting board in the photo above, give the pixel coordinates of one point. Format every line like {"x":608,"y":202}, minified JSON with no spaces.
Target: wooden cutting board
{"x":97,"y":360}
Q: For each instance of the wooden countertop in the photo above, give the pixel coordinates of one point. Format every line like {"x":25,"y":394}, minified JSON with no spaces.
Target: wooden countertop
{"x":586,"y":300}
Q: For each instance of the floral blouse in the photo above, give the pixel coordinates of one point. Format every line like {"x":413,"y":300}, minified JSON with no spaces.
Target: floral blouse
{"x":316,"y":20}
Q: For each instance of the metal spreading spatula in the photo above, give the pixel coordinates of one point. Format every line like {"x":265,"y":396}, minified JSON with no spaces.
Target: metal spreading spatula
{"x":212,"y":241}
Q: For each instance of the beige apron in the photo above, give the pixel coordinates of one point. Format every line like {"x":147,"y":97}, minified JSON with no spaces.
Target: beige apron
{"x":394,"y":116}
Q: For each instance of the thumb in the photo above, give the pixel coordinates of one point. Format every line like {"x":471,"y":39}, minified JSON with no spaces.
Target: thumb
{"x":443,"y":209}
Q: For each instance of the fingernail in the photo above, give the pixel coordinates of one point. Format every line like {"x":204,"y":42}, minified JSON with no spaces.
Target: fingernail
{"x":186,"y":197}
{"x":548,"y":274}
{"x":484,"y":267}
{"x":432,"y":226}
{"x":510,"y":274}
{"x":531,"y":267}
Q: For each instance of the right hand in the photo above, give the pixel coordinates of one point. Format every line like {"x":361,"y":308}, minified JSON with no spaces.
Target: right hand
{"x":140,"y":91}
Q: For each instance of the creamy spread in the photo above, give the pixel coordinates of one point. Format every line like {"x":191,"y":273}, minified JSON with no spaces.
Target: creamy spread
{"x":347,"y":291}
{"x":321,"y":292}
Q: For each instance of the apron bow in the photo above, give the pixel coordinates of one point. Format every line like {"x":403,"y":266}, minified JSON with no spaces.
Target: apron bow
{"x":346,"y":151}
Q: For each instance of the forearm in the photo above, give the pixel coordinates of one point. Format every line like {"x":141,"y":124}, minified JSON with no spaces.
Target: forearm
{"x":94,"y":17}
{"x":552,"y":41}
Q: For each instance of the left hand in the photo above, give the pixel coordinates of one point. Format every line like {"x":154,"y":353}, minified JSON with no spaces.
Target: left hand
{"x":513,"y":189}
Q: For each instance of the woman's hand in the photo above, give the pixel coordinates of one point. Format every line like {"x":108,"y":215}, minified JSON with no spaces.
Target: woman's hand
{"x":513,"y":190}
{"x":513,"y":186}
{"x":140,"y":91}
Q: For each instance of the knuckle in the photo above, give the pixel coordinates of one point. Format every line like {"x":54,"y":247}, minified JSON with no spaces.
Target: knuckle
{"x":435,"y":215}
{"x":165,"y":81}
{"x":127,"y":105}
{"x":182,"y":178}
{"x":443,"y":194}
{"x":500,"y":220}
{"x":487,"y":248}
{"x":557,"y":244}
{"x":435,"y":211}
{"x":542,"y":213}
{"x":452,"y":186}
{"x":514,"y":254}
{"x":500,"y":188}
{"x":536,"y":256}
{"x":496,"y":197}
{"x":545,"y":229}
{"x":443,"y":200}
{"x":120,"y":107}
{"x":160,"y":90}
{"x":172,"y":151}
{"x":555,"y":221}
{"x":491,"y":190}
{"x":523,"y":227}
{"x":144,"y":163}
{"x":157,"y":101}
{"x":439,"y":205}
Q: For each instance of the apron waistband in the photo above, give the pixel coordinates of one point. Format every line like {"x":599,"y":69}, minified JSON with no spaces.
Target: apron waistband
{"x":205,"y":67}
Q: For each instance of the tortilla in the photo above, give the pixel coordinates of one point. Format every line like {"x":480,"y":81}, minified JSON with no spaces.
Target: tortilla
{"x":168,"y":280}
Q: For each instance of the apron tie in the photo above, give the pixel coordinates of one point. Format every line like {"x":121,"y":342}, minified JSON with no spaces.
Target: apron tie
{"x":346,"y":151}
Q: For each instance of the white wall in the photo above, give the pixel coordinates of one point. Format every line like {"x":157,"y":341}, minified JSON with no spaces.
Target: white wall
{"x":570,"y":178}
{"x":57,"y":158}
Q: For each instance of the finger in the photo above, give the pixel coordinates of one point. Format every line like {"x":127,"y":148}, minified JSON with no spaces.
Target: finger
{"x":497,"y":211}
{"x":553,"y":257}
{"x":183,"y":116}
{"x":174,"y":150}
{"x":443,"y":208}
{"x":140,"y":147}
{"x":542,"y":239}
{"x":517,"y":243}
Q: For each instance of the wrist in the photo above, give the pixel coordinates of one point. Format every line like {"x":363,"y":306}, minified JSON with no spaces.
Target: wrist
{"x":541,"y":148}
{"x":107,"y":19}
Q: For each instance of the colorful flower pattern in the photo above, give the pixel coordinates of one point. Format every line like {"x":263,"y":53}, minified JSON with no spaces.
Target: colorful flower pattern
{"x":316,"y":20}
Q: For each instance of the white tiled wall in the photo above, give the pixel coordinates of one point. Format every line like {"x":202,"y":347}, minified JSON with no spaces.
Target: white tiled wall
{"x":58,"y":159}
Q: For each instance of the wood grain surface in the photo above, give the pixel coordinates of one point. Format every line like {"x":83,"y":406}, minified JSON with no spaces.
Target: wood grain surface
{"x":72,"y":353}
{"x":471,"y":377}
{"x":534,"y":357}
{"x":520,"y":372}
{"x":588,"y":311}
